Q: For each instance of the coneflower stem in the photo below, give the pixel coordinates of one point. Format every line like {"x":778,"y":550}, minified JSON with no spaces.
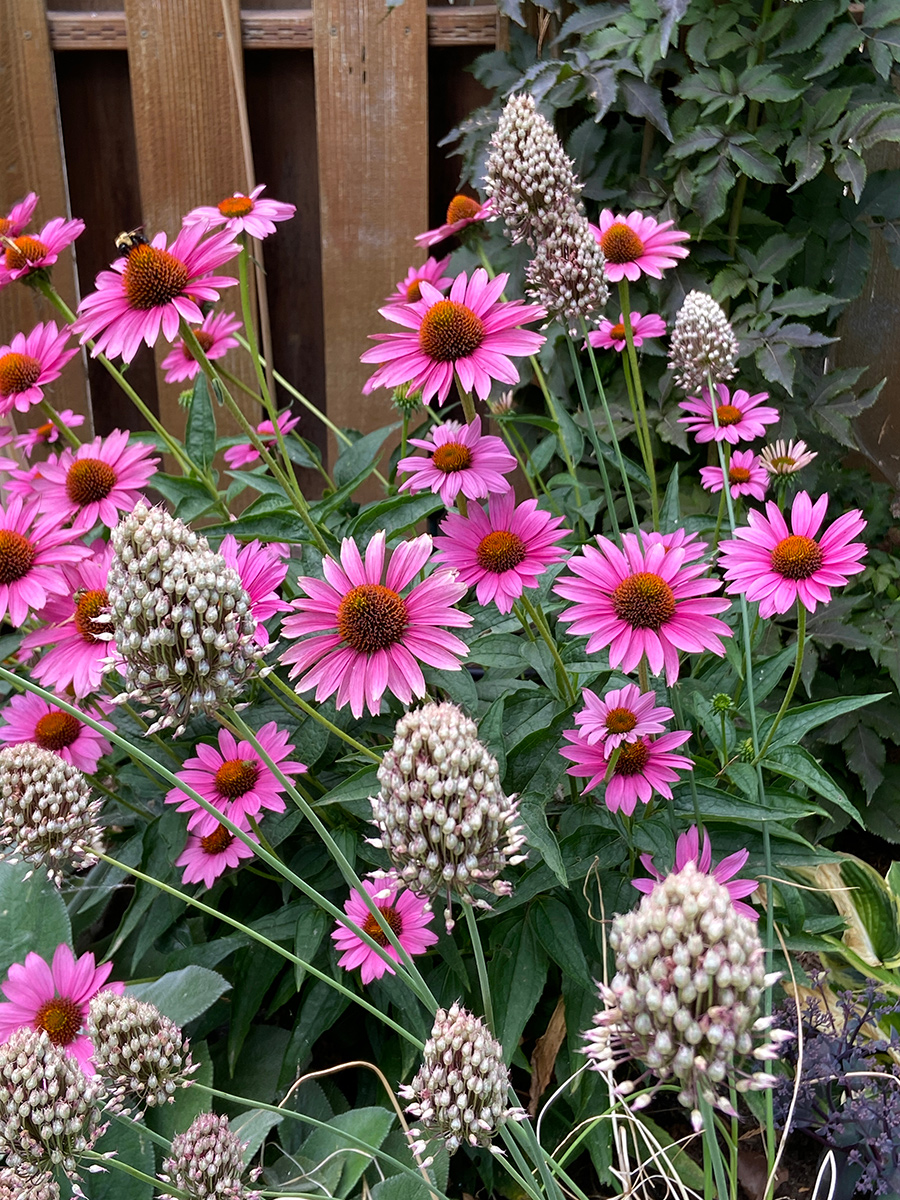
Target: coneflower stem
{"x":53,"y":416}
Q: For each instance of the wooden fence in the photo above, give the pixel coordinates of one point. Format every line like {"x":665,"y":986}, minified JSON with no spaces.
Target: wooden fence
{"x":128,"y":116}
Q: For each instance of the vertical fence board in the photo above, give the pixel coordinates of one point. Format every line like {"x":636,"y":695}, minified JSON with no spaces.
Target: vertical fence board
{"x":371,"y":113}
{"x":33,"y":161}
{"x":187,"y":128}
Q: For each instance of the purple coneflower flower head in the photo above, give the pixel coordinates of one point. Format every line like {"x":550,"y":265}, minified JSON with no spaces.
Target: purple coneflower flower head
{"x":776,"y":565}
{"x":739,"y":417}
{"x":206,"y":858}
{"x":462,"y":211}
{"x":502,"y":551}
{"x":688,"y":849}
{"x":54,"y":998}
{"x":460,"y":458}
{"x":636,"y":245}
{"x":641,"y":767}
{"x":369,"y":638}
{"x":407,"y":914}
{"x":245,"y":454}
{"x":215,"y":338}
{"x":33,"y":551}
{"x":609,"y":336}
{"x":154,"y":286}
{"x":28,"y":363}
{"x":786,"y":458}
{"x":27,"y":253}
{"x":472,"y":334}
{"x":29,"y":718}
{"x":408,"y":289}
{"x":644,"y":599}
{"x":16,"y":220}
{"x":48,"y":433}
{"x":622,"y":716}
{"x":254,"y":214}
{"x":746,"y":476}
{"x":680,"y":539}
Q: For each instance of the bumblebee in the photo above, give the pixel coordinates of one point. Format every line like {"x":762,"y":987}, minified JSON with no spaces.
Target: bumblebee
{"x":126,"y":241}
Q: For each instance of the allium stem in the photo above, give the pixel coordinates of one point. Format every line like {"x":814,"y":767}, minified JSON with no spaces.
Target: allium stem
{"x":317,"y":716}
{"x":712,"y":1153}
{"x":795,"y":678}
{"x":119,"y":1164}
{"x":68,"y":435}
{"x":144,"y":1129}
{"x":595,"y":442}
{"x":641,"y":416}
{"x":481,"y":966}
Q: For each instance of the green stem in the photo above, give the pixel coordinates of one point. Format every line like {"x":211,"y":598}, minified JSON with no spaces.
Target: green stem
{"x":53,"y":416}
{"x":625,"y":300}
{"x":144,"y":1129}
{"x":595,"y":441}
{"x":481,"y":966}
{"x":544,"y":630}
{"x":561,"y":441}
{"x":508,"y":436}
{"x":468,"y":404}
{"x":119,"y":1164}
{"x":795,"y":678}
{"x":317,"y":716}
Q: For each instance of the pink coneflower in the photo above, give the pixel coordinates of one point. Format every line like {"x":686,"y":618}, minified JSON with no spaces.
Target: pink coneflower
{"x":28,"y":363}
{"x":30,"y":719}
{"x":405,"y":912}
{"x":262,"y":569}
{"x":96,"y":482}
{"x":215,"y":339}
{"x":776,"y":566}
{"x":243,"y":214}
{"x":152,"y":288}
{"x":18,"y":216}
{"x":33,"y":549}
{"x":637,"y":245}
{"x":470,"y":334}
{"x":460,"y":459}
{"x":55,"y":998}
{"x":431,"y":271}
{"x":206,"y":858}
{"x":75,"y":627}
{"x":740,"y":416}
{"x":371,"y":639}
{"x":234,"y":778}
{"x":461,"y":211}
{"x":680,"y":539}
{"x":643,"y":601}
{"x":786,"y":458}
{"x":612,"y":337}
{"x":502,"y":551}
{"x":622,"y":716}
{"x":245,"y":454}
{"x":641,"y":768}
{"x":48,"y":433}
{"x":30,"y":252}
{"x":687,"y":850}
{"x":746,"y":476}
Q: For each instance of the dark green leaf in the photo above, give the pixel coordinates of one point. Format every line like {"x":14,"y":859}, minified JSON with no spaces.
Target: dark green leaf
{"x":32,"y":916}
{"x":200,"y":436}
{"x":799,"y":721}
{"x":517,"y":968}
{"x":361,"y":458}
{"x":183,"y":995}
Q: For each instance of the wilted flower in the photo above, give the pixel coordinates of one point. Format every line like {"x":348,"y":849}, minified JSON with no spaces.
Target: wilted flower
{"x":182,"y":620}
{"x":140,"y":1053}
{"x":461,"y":1090}
{"x":206,"y":1162}
{"x":49,"y":1108}
{"x":690,"y":975}
{"x":702,"y":343}
{"x":441,"y":812}
{"x":785,"y":458}
{"x":567,"y":274}
{"x":47,"y":815}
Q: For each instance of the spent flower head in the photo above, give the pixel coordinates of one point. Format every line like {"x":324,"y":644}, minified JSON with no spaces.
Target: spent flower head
{"x":442,"y":815}
{"x":567,"y":275}
{"x":786,"y":458}
{"x":142,"y":1056}
{"x":702,"y":343}
{"x":206,"y":1162}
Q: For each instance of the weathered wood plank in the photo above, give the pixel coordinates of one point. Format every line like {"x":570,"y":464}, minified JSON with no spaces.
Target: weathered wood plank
{"x":33,"y":162}
{"x":371,"y":113}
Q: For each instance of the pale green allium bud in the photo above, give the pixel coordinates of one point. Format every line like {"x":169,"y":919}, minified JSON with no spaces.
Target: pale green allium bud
{"x":530,"y":177}
{"x":443,"y":817}
{"x":49,"y":1108}
{"x":140,"y":1053}
{"x":182,"y":619}
{"x":568,"y":272}
{"x":47,"y":815}
{"x":702,"y":344}
{"x":461,"y":1092}
{"x":690,"y":975}
{"x":206,"y":1162}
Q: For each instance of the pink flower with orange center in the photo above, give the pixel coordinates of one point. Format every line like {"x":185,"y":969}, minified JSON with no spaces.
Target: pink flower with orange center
{"x":16,"y":220}
{"x":688,"y":850}
{"x":55,"y":997}
{"x":612,"y":337}
{"x":369,"y":638}
{"x":776,"y":565}
{"x":460,"y":459}
{"x":471,"y":334}
{"x":408,"y":290}
{"x":641,"y":767}
{"x":245,"y":454}
{"x":502,"y":551}
{"x":30,"y":719}
{"x":637,"y":245}
{"x":739,"y":417}
{"x":234,"y":778}
{"x":622,"y":716}
{"x":642,"y":600}
{"x":262,"y":569}
{"x":254,"y":214}
{"x":28,"y":363}
{"x":461,"y":211}
{"x":27,"y":253}
{"x":96,"y":482}
{"x":149,"y":290}
{"x":746,"y":476}
{"x":407,"y":915}
{"x":206,"y":857}
{"x":33,"y":551}
{"x":48,"y":433}
{"x":215,"y":339}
